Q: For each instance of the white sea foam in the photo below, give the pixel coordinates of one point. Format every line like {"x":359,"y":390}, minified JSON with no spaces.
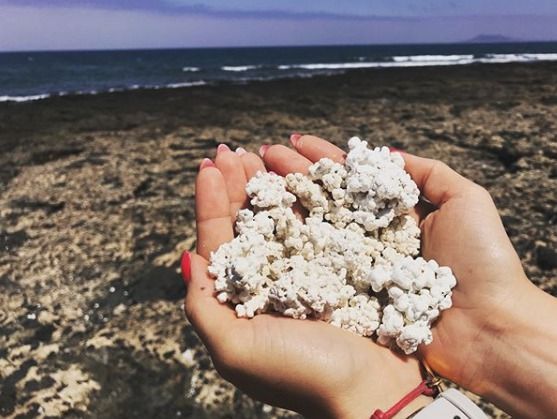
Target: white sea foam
{"x":239,"y":67}
{"x":95,"y":92}
{"x":185,"y":84}
{"x":328,"y":66}
{"x":23,"y":98}
{"x":510,"y":58}
{"x":190,"y":69}
{"x":431,"y":58}
{"x":425,"y":61}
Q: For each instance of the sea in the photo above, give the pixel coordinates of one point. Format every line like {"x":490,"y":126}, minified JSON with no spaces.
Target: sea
{"x":28,"y":76}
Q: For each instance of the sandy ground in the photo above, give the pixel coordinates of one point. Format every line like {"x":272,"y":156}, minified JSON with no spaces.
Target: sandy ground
{"x":96,"y":206}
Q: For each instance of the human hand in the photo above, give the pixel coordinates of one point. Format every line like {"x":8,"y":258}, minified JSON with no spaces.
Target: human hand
{"x":491,"y":325}
{"x":308,"y":366}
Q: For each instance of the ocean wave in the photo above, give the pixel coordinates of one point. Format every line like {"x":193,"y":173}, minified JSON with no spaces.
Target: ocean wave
{"x":425,"y":61}
{"x":513,"y":58}
{"x":328,"y":66}
{"x":23,"y":98}
{"x":239,"y":67}
{"x":184,"y":84}
{"x":432,"y":58}
{"x":190,"y":69}
{"x":241,"y":74}
{"x":396,"y":61}
{"x":30,"y":98}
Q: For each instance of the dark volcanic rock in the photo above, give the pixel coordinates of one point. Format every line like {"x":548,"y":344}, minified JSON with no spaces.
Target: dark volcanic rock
{"x":11,"y":241}
{"x":546,"y":257}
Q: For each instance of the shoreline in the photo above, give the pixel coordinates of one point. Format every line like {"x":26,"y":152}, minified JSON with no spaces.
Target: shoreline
{"x":127,"y":101}
{"x":338,"y":69}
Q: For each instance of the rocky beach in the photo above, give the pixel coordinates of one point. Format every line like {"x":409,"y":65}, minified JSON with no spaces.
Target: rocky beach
{"x":97,"y":205}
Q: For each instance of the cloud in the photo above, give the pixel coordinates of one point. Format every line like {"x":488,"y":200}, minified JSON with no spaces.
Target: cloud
{"x":308,"y":10}
{"x":197,"y":9}
{"x":61,"y":28}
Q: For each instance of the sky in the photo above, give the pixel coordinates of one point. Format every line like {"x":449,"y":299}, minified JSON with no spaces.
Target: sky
{"x":117,"y":24}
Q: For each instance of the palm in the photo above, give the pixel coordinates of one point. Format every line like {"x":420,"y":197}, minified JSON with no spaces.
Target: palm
{"x":308,"y":366}
{"x":324,"y":358}
{"x":462,"y":229}
{"x":456,"y":235}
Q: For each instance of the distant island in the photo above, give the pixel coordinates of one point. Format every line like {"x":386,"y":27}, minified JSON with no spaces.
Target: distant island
{"x":490,"y":39}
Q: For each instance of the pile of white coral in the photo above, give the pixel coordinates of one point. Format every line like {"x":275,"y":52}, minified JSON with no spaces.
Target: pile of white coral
{"x":353,"y":260}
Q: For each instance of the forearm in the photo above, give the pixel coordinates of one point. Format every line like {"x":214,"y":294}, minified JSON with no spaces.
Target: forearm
{"x":521,"y":364}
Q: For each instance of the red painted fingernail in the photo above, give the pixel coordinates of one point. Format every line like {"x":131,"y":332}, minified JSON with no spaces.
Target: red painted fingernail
{"x":186,"y":267}
{"x":222,"y":148}
{"x":294,"y":138}
{"x":395,"y":150}
{"x":263,"y":149}
{"x":206,"y":163}
{"x":240,"y":151}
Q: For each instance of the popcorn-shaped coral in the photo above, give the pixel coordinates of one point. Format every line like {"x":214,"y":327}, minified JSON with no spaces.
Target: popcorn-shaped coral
{"x":352,"y":262}
{"x":377,"y":186}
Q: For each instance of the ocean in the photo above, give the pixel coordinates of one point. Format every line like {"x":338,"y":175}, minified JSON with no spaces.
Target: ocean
{"x":26,"y":76}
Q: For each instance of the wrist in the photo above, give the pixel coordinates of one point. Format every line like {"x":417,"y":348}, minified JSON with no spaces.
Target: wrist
{"x":516,"y":347}
{"x":383,"y":385}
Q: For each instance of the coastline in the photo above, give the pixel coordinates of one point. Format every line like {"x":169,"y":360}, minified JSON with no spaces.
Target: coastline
{"x":96,"y":197}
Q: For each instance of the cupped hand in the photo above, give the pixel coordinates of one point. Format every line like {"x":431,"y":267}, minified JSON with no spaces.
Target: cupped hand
{"x":307,"y":366}
{"x":461,"y":228}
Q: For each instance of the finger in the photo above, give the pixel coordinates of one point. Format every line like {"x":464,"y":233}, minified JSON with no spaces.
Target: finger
{"x":436,"y":181}
{"x":422,"y":209}
{"x":315,"y":148}
{"x":282,"y":160}
{"x":232,"y":169}
{"x":252,"y":164}
{"x":209,"y":317}
{"x":212,"y":211}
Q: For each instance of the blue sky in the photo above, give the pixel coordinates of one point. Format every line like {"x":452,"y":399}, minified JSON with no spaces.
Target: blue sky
{"x":101,"y":24}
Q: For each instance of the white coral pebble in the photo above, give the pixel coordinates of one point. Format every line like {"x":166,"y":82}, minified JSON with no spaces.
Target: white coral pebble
{"x":352,"y":262}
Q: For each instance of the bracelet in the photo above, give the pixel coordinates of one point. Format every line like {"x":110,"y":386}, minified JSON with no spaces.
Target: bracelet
{"x":430,"y":386}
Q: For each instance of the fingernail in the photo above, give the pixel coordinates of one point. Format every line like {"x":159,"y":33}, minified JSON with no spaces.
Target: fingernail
{"x":240,"y":151}
{"x":294,"y":138}
{"x":263,"y":149}
{"x":222,"y":147}
{"x":186,"y":267}
{"x":206,"y":163}
{"x":395,"y":150}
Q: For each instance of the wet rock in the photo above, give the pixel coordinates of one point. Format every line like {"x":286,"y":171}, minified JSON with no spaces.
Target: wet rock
{"x":143,"y":189}
{"x":508,"y":155}
{"x":11,"y":241}
{"x":45,"y":156}
{"x":28,"y":204}
{"x":8,"y":393}
{"x":157,"y":283}
{"x":546,"y":257}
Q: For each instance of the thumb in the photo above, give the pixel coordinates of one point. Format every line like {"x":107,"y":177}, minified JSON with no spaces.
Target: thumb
{"x":435,"y":180}
{"x":207,"y":315}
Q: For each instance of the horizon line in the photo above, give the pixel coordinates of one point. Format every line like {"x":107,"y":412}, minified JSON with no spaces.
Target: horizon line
{"x":171,"y":48}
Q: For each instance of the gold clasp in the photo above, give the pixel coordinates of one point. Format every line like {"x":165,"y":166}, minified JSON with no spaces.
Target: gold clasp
{"x":433,"y":381}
